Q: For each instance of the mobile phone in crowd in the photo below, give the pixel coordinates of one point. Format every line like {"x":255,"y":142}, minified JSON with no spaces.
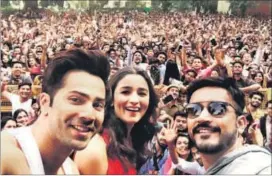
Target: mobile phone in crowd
{"x":167,"y":99}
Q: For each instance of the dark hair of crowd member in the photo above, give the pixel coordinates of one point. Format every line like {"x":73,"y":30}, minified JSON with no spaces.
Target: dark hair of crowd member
{"x":141,"y":132}
{"x":180,"y":113}
{"x":17,"y":112}
{"x":143,"y":57}
{"x":190,"y":156}
{"x":93,"y":62}
{"x":161,"y":52}
{"x":17,"y":62}
{"x":238,"y":62}
{"x":24,"y":84}
{"x":4,"y":121}
{"x":256,"y":93}
{"x":110,"y":50}
{"x":120,"y":41}
{"x":5,"y":64}
{"x":190,"y":144}
{"x":263,"y":81}
{"x":154,"y":70}
{"x":228,"y":84}
{"x":171,"y":71}
{"x":245,"y":134}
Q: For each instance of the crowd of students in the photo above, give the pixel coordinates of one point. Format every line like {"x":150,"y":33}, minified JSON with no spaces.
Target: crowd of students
{"x":146,"y":77}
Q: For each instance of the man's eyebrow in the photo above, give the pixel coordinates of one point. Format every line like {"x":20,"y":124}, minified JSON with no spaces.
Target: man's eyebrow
{"x":86,"y":95}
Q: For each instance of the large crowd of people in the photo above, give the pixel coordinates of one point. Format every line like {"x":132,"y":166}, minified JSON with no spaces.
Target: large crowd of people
{"x":136,"y":93}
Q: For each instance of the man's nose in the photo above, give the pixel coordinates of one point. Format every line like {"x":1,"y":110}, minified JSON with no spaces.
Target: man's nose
{"x":89,"y":114}
{"x":204,"y":116}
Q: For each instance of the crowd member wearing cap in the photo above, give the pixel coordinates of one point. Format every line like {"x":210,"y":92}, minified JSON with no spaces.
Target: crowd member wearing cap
{"x":172,"y":106}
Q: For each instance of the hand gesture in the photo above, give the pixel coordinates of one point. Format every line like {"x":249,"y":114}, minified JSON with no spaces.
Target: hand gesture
{"x":170,"y":133}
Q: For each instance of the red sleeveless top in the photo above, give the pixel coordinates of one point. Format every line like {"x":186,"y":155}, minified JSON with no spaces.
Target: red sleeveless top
{"x":115,"y":166}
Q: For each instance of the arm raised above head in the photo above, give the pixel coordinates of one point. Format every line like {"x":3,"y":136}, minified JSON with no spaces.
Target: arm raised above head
{"x":93,"y":159}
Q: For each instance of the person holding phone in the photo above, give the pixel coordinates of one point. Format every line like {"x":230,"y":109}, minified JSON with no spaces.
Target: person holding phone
{"x":169,"y":102}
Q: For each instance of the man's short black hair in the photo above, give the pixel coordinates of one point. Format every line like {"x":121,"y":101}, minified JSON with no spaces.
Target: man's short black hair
{"x":163,"y":53}
{"x":238,"y":62}
{"x":180,"y":113}
{"x":110,"y":50}
{"x":17,"y":62}
{"x":193,"y":71}
{"x":256,"y":93}
{"x":24,"y":84}
{"x":93,"y":62}
{"x":197,"y":57}
{"x":228,"y":84}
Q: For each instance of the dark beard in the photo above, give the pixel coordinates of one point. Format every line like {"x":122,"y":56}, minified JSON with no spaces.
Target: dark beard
{"x":225,"y":142}
{"x":255,"y":106}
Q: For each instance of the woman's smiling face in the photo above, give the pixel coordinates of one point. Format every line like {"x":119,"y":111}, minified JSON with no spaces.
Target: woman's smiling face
{"x":131,"y":98}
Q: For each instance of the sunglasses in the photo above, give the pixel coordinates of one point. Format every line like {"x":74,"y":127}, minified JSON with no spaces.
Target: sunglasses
{"x":215,"y":108}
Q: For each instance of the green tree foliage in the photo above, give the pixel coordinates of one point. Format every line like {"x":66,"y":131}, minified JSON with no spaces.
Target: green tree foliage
{"x":240,"y":7}
{"x":4,"y":3}
{"x":198,"y":5}
{"x":33,"y":4}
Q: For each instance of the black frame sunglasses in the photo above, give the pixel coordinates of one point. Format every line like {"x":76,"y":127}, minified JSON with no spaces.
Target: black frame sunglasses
{"x":215,"y":108}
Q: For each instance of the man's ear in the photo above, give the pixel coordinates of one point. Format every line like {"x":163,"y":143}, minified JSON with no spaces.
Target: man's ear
{"x":241,"y":123}
{"x":44,"y":102}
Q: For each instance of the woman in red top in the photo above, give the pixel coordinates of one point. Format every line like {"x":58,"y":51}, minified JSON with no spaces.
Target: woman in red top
{"x":120,"y":149}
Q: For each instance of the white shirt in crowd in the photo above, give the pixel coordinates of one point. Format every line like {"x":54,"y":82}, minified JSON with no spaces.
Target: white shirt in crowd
{"x":189,"y":167}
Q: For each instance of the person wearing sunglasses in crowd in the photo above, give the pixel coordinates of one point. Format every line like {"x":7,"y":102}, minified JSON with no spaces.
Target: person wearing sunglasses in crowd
{"x":215,"y":123}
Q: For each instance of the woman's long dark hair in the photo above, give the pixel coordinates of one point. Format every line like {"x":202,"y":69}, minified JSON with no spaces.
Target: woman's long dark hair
{"x":171,"y":71}
{"x":190,"y":144}
{"x":17,"y":112}
{"x":190,"y":156}
{"x":141,"y":132}
{"x":4,"y":121}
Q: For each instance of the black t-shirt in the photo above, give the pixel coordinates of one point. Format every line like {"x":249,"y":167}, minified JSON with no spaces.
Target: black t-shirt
{"x":244,"y":82}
